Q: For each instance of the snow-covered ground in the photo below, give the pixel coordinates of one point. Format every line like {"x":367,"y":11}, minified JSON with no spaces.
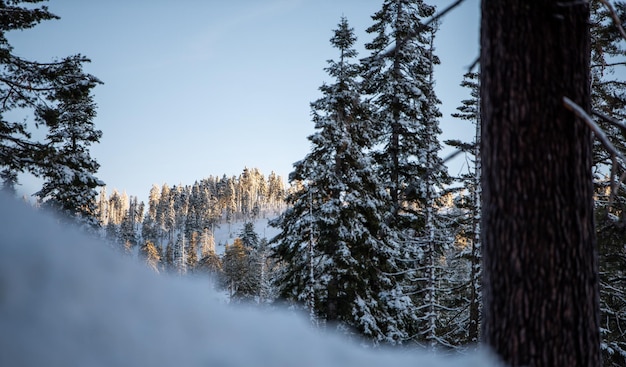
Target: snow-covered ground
{"x":70,"y":301}
{"x":226,"y":233}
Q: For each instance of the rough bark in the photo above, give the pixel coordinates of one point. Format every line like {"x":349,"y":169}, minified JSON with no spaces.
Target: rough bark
{"x":540,"y":270}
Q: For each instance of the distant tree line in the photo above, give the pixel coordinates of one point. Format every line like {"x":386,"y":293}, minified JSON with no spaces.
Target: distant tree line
{"x":175,"y":230}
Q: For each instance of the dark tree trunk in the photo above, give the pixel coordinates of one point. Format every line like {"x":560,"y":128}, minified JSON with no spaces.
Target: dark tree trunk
{"x":540,"y":270}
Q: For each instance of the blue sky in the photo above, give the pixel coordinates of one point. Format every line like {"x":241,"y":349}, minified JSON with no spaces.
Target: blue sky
{"x":196,"y":88}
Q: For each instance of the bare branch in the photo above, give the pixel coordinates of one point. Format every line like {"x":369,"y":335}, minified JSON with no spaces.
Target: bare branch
{"x":580,"y":112}
{"x":30,"y":88}
{"x":474,"y":64}
{"x":423,"y":26}
{"x":608,"y":64}
{"x":610,"y":120}
{"x":616,"y":20}
{"x":452,"y":155}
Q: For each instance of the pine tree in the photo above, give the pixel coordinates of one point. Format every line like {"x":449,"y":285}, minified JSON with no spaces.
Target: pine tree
{"x":103,"y":207}
{"x":337,"y":252}
{"x":179,"y":255}
{"x":267,"y":292}
{"x":276,"y":191}
{"x":165,"y":214}
{"x":249,"y":237}
{"x":191,"y":252}
{"x":128,"y":237}
{"x":58,"y":94}
{"x":609,"y":98}
{"x":150,"y":253}
{"x":168,"y":256}
{"x":240,"y":271}
{"x":68,"y":170}
{"x":209,"y":263}
{"x":400,"y":85}
{"x":465,"y":260}
{"x":118,"y":206}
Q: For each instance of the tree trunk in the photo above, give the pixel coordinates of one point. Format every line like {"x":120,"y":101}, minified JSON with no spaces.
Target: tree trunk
{"x":540,"y":270}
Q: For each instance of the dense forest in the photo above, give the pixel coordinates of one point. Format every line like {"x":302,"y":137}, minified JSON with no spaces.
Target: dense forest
{"x":175,"y":230}
{"x":375,"y":237}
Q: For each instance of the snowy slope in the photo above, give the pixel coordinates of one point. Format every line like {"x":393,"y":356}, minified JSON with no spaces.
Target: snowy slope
{"x":226,"y":233}
{"x":69,"y":301}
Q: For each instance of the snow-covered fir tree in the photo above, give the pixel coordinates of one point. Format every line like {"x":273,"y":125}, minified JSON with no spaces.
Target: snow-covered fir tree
{"x":56,"y":98}
{"x":209,"y":263}
{"x":609,"y":99}
{"x":399,"y":83}
{"x":463,"y":306}
{"x":68,"y":170}
{"x":179,"y":255}
{"x":241,"y":272}
{"x":338,"y":256}
{"x":151,"y":255}
{"x":435,"y":240}
{"x":249,"y":237}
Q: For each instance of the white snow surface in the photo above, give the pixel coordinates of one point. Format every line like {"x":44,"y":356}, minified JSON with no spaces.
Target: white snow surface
{"x":66,"y":300}
{"x":226,"y":233}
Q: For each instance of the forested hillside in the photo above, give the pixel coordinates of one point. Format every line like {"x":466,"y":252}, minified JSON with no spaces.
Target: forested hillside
{"x":175,"y":230}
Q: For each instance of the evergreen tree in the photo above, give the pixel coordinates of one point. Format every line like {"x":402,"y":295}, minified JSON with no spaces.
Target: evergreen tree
{"x":168,"y":256}
{"x":240,"y":271}
{"x":249,"y":237}
{"x":464,"y":304}
{"x":58,"y":94}
{"x":608,"y":98}
{"x":209,"y":263}
{"x":400,"y":85}
{"x":165,"y":214}
{"x":150,"y":253}
{"x":70,"y":184}
{"x":192,"y":252}
{"x":103,"y":207}
{"x":275,"y":191}
{"x":267,"y":292}
{"x":150,"y":227}
{"x":128,"y":228}
{"x":128,"y":237}
{"x":111,"y":234}
{"x":118,"y":206}
{"x":338,"y":254}
{"x":179,"y":255}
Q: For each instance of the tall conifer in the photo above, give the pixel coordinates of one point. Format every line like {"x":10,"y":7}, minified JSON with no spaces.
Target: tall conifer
{"x":338,"y":253}
{"x":399,"y":82}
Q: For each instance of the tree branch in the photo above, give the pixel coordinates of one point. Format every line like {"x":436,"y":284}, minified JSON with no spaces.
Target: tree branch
{"x":610,"y":120}
{"x":580,"y":112}
{"x":608,"y":64}
{"x":616,"y":20}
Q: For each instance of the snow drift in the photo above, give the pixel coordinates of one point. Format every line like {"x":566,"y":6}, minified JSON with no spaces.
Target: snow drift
{"x":66,"y":300}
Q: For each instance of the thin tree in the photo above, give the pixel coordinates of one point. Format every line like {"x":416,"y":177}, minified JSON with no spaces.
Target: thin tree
{"x":469,"y":204}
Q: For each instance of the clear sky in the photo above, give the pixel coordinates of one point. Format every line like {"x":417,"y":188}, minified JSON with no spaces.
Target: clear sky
{"x":194,"y":88}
